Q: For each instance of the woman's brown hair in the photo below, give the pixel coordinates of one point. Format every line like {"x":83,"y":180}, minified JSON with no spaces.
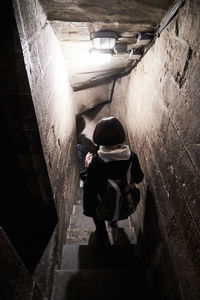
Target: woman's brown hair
{"x":109,"y":132}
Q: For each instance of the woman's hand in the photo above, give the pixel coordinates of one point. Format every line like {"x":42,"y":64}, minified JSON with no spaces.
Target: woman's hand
{"x":88,"y":159}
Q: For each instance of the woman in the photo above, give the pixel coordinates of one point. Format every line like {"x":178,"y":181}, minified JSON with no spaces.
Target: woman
{"x":112,"y":161}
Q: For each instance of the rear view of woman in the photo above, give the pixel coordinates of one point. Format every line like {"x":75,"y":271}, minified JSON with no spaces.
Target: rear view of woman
{"x":111,"y":162}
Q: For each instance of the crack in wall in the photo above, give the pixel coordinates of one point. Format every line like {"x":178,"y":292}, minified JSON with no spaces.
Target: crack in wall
{"x":180,"y":79}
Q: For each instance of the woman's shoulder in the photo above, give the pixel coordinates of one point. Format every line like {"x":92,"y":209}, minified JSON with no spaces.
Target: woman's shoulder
{"x":95,"y":162}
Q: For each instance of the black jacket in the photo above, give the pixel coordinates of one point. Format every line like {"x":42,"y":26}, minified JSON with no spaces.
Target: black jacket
{"x":96,"y":180}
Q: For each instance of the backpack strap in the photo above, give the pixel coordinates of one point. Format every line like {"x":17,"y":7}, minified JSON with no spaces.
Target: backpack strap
{"x":128,"y":174}
{"x":118,"y":192}
{"x":118,"y":195}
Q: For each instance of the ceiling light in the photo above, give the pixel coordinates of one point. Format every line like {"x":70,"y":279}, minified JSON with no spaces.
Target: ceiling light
{"x":104,"y":40}
{"x":99,"y":58}
{"x":120,"y":47}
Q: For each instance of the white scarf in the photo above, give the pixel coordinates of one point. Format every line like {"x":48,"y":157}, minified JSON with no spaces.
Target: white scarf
{"x":121,"y":153}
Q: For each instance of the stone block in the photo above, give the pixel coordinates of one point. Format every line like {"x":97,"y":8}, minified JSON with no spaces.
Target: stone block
{"x":28,"y":66}
{"x":189,"y":22}
{"x":47,"y":46}
{"x":29,"y":20}
{"x":34,"y":64}
{"x":44,"y":92}
{"x":39,"y":108}
{"x":41,"y":18}
{"x":172,"y":64}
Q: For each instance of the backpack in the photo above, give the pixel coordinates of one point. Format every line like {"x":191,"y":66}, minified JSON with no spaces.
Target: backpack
{"x":120,"y":199}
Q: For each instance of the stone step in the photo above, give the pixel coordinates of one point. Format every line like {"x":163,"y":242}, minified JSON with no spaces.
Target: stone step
{"x":81,"y":227}
{"x":77,"y":257}
{"x":86,"y":237}
{"x":77,"y":219}
{"x":102,"y":285}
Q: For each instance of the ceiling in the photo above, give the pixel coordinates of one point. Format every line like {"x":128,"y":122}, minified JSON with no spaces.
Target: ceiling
{"x":74,"y":21}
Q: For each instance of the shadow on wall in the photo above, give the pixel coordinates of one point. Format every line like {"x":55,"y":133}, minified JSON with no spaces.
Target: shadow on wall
{"x":157,"y":253}
{"x":26,"y":195}
{"x":93,"y":112}
{"x":151,"y":235}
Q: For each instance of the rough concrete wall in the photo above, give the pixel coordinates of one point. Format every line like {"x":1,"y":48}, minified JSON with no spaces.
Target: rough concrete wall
{"x":88,"y":98}
{"x":90,"y":108}
{"x":52,"y":98}
{"x":119,"y":100}
{"x":26,"y":194}
{"x":162,"y":120}
{"x":86,"y":123}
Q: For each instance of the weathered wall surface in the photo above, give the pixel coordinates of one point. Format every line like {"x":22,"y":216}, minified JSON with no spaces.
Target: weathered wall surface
{"x":88,"y":98}
{"x":52,"y":99}
{"x":86,"y":123}
{"x":25,"y":188}
{"x":92,"y":104}
{"x":161,"y":112}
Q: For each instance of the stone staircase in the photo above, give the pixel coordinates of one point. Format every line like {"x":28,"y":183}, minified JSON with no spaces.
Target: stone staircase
{"x":96,"y":272}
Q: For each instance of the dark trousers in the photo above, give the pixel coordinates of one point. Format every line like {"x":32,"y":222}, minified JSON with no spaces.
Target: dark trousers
{"x":100,"y":225}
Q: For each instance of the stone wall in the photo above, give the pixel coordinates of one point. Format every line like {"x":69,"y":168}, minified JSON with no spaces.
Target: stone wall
{"x":52,"y":99}
{"x":92,"y":104}
{"x":88,"y":98}
{"x":160,"y":109}
{"x":26,"y":194}
{"x":86,"y":123}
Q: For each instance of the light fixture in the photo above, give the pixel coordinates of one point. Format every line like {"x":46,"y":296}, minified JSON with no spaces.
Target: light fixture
{"x":120,"y":48}
{"x":104,"y":40}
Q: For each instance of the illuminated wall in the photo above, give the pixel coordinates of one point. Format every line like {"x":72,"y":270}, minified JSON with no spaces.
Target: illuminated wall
{"x":52,"y":99}
{"x":160,"y":109}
